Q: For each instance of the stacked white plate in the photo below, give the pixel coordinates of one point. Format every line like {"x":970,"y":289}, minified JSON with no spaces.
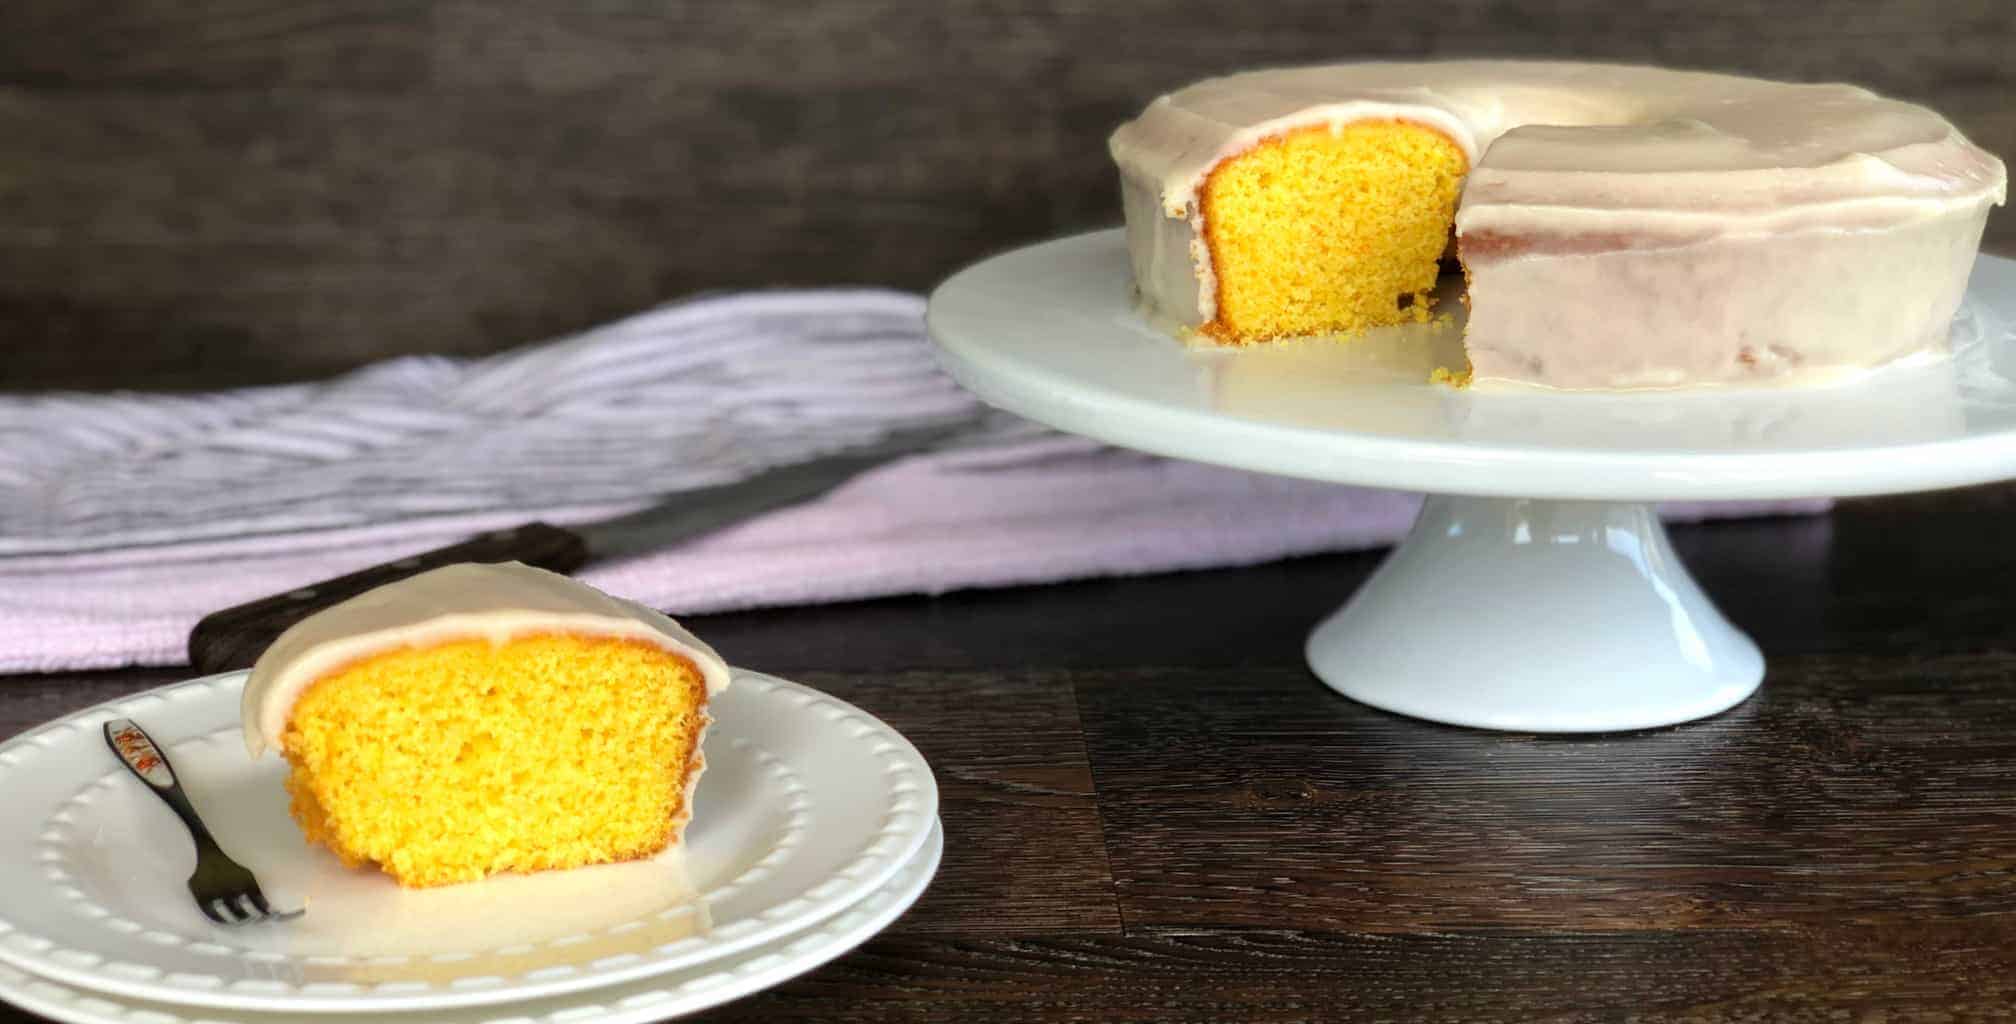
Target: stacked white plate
{"x":815,"y":827}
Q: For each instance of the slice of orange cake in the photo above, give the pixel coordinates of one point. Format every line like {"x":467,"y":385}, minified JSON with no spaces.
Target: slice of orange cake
{"x":479,"y":719}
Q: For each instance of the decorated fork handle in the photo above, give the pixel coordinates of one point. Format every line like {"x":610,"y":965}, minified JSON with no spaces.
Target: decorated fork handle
{"x":145,"y":759}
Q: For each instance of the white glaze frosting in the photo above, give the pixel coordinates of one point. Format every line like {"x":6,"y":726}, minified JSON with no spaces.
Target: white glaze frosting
{"x":1582,"y":161}
{"x":497,"y":602}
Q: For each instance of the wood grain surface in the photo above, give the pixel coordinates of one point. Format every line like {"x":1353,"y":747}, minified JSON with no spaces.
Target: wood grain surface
{"x":1154,"y":812}
{"x":212,"y":192}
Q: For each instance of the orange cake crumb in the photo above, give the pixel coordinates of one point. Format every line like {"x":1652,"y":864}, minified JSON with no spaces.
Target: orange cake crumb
{"x":1326,"y":230}
{"x":450,"y":762}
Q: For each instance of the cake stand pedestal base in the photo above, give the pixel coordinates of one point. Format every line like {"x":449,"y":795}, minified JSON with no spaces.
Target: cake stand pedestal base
{"x":1536,"y":616}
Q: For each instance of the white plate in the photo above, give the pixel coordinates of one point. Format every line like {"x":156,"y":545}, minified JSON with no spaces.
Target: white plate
{"x":808,"y":805}
{"x":1049,"y":331}
{"x":633,"y":1002}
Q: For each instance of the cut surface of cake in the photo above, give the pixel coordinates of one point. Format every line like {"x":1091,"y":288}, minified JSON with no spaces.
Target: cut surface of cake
{"x":479,"y":719}
{"x":1618,"y":227}
{"x":1318,"y":230}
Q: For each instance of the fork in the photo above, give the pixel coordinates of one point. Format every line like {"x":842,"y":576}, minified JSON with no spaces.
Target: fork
{"x":225,"y":891}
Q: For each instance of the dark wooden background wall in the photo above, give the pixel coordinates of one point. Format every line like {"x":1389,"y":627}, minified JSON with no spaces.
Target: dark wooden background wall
{"x":200,"y":192}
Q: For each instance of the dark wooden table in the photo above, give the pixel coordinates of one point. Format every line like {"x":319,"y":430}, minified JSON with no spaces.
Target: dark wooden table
{"x":1154,"y":812}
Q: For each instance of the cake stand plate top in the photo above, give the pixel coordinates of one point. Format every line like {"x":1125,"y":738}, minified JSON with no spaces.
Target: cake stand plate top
{"x":1050,"y":331}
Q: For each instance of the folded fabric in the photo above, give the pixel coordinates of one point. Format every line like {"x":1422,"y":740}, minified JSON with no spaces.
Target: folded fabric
{"x":125,"y":518}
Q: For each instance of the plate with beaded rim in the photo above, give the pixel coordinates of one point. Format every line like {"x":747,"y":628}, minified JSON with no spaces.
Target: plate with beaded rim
{"x":639,"y":1001}
{"x":808,"y":805}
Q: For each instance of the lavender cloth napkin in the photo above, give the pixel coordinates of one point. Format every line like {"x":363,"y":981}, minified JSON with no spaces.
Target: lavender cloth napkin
{"x":125,"y":518}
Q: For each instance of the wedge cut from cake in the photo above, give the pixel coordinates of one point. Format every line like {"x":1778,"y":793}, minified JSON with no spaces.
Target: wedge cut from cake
{"x":480,"y":719}
{"x":1618,"y":227}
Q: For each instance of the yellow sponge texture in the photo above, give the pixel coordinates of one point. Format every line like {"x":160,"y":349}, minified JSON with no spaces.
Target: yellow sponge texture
{"x":451,"y":762}
{"x":1329,"y":230}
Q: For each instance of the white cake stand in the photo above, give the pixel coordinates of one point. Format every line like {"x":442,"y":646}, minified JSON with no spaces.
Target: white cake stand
{"x":1537,"y":590}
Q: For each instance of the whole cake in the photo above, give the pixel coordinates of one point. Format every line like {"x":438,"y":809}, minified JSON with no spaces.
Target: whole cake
{"x":1618,"y":226}
{"x":479,"y":719}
